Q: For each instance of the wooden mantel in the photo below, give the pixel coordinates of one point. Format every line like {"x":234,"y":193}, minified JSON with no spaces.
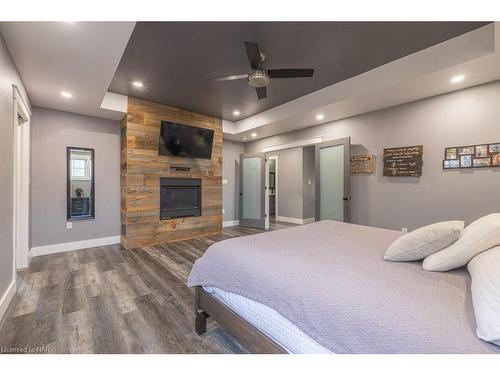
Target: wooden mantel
{"x":142,"y":167}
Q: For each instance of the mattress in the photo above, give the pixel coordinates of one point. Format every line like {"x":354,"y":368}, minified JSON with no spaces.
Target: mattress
{"x":331,"y":281}
{"x":269,"y":322}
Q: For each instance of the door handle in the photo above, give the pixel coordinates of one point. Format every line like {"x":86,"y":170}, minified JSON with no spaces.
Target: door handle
{"x":345,"y":198}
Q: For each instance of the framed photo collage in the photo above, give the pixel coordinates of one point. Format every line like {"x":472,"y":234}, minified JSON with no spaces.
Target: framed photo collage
{"x":477,"y":156}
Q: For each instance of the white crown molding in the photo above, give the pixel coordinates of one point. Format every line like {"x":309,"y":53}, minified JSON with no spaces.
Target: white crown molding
{"x":76,"y":245}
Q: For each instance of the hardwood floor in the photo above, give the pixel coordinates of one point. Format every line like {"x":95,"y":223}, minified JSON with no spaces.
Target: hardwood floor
{"x":111,"y":300}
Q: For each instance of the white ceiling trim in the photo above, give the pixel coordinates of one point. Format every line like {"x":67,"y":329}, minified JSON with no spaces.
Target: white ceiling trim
{"x":299,"y":143}
{"x":400,"y":81}
{"x":115,"y":102}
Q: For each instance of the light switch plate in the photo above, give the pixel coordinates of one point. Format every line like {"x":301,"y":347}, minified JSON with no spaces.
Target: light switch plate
{"x":69,"y":225}
{"x":224,"y":182}
{"x":404,"y":230}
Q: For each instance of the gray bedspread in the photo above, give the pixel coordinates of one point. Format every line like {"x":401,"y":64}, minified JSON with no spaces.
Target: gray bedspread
{"x":330,"y":280}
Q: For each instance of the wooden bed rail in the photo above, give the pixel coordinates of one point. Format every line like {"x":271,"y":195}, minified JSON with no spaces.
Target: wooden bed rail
{"x":249,"y":336}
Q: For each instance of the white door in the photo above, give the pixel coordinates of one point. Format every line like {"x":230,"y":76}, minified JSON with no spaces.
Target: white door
{"x":253,"y":177}
{"x":333,"y":180}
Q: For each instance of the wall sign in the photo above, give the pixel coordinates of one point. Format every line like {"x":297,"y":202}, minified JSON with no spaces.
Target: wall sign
{"x":477,"y":156}
{"x":403,"y":161}
{"x":362,"y":164}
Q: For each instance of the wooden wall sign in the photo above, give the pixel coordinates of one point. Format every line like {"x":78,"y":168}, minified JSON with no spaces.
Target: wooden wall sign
{"x":362,"y":164}
{"x":403,"y":161}
{"x":476,"y":156}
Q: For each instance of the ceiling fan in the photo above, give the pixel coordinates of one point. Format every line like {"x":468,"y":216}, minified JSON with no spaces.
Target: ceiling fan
{"x":259,"y":77}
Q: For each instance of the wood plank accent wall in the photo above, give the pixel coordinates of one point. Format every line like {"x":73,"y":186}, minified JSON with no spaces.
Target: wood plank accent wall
{"x":142,"y":167}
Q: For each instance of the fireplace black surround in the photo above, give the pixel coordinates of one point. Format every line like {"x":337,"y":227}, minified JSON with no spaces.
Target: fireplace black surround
{"x":180,"y":197}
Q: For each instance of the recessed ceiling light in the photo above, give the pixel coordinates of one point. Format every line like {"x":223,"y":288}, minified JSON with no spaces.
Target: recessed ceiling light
{"x":138,"y":84}
{"x":254,"y":135}
{"x":458,"y":78}
{"x":320,"y":116}
{"x":244,"y":138}
{"x":236,"y":112}
{"x":66,"y":94}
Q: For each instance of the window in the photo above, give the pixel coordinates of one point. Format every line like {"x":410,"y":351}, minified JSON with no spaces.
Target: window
{"x":81,"y":167}
{"x":78,"y":168}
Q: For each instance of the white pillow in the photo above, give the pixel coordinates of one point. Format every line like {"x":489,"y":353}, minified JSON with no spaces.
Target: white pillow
{"x":485,"y":287}
{"x":424,"y":241}
{"x":481,"y":235}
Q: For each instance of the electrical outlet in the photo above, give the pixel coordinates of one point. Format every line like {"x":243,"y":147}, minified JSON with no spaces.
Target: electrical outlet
{"x":404,"y":230}
{"x":69,"y":225}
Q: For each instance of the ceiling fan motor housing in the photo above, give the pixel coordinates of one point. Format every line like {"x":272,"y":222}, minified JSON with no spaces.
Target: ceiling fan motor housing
{"x":258,"y":78}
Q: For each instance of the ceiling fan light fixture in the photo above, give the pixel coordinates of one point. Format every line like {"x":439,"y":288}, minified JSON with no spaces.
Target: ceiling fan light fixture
{"x":258,"y":78}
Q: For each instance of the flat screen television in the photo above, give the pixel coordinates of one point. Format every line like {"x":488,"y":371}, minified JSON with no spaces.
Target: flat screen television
{"x":185,"y":141}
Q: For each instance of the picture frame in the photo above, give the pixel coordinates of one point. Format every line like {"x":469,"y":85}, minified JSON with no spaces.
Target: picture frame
{"x":481,"y":162}
{"x":451,"y":164}
{"x":483,"y":155}
{"x":466,"y":161}
{"x":450,"y":153}
{"x":494,"y":148}
{"x":495,"y":160}
{"x":481,"y":151}
{"x":466,"y":150}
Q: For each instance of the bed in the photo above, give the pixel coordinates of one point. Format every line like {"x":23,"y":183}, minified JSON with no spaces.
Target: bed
{"x":325,"y":288}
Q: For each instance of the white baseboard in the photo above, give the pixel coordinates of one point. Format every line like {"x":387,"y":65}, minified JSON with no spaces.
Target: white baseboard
{"x":230,"y":223}
{"x":295,"y":220}
{"x":77,"y":245}
{"x":6,"y":299}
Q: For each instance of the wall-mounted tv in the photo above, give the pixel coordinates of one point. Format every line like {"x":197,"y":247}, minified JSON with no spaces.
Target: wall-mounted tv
{"x":185,"y":141}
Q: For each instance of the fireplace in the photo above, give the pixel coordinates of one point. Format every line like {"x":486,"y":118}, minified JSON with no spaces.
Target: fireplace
{"x":180,"y":197}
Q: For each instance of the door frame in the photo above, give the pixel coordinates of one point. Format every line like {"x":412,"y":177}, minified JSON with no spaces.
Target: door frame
{"x":275,"y":158}
{"x":263,"y":222}
{"x":346,"y":142}
{"x":21,"y":181}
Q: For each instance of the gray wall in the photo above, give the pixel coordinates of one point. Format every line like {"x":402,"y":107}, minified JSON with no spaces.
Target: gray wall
{"x":52,"y":132}
{"x":231,"y":172}
{"x":470,"y":116}
{"x":290,"y":182}
{"x":308,"y":174}
{"x":8,"y":77}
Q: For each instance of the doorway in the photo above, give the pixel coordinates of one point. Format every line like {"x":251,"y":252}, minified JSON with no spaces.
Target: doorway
{"x":273,"y":187}
{"x":333,"y":180}
{"x":21,"y":209}
{"x":253,"y":183}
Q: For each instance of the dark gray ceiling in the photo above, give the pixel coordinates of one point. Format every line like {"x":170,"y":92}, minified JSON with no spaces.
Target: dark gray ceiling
{"x":175,"y":59}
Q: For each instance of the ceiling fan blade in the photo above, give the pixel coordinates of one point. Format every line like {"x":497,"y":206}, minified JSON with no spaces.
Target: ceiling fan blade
{"x":254,"y":56}
{"x":290,"y":73}
{"x":261,"y":92}
{"x":229,"y":78}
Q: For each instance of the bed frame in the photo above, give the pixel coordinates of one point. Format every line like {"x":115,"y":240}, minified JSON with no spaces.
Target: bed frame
{"x":249,"y":336}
